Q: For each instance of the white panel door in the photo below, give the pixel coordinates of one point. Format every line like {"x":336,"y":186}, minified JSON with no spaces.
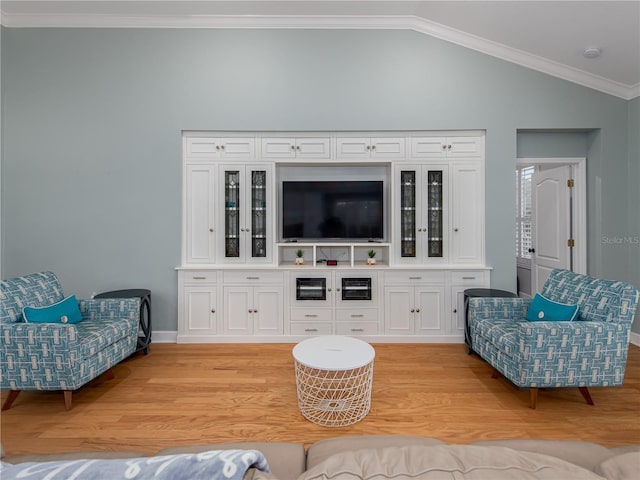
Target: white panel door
{"x":237,"y":303}
{"x":200,"y":310}
{"x":551,"y":223}
{"x":429,"y":306}
{"x":398,"y":317}
{"x":467,"y":239}
{"x":268,"y":310}
{"x":199,"y":214}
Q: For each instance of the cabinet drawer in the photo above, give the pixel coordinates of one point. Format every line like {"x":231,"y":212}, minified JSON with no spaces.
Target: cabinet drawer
{"x":468,"y":278}
{"x":311,"y":315}
{"x":193,"y":277}
{"x":410,"y":277}
{"x":357,"y":328}
{"x":311,"y":328}
{"x":357,"y":315}
{"x":250,"y":278}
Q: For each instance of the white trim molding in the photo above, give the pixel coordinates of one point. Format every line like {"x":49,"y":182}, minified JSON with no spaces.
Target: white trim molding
{"x":393,"y":22}
{"x":168,"y":336}
{"x":634,"y":339}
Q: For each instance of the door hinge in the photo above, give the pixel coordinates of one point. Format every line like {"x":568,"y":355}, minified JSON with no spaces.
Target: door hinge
{"x":570,"y":183}
{"x":571,"y":242}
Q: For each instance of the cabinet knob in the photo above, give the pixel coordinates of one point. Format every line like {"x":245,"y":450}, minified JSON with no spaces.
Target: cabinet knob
{"x":211,"y":229}
{"x":293,"y":147}
{"x":328,"y":289}
{"x":337,"y":289}
{"x":297,"y":147}
{"x":413,"y":310}
{"x":373,"y":147}
{"x":217,"y":147}
{"x":417,"y":310}
{"x":221,"y":147}
{"x":255,"y":311}
{"x":455,"y":310}
{"x":213,"y":311}
{"x":448,"y":147}
{"x":368,"y":147}
{"x":250,"y":311}
{"x":444,"y":147}
{"x":455,"y":229}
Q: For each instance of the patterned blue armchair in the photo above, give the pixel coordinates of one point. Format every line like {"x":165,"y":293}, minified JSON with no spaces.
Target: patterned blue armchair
{"x":587,"y":352}
{"x":58,"y":356}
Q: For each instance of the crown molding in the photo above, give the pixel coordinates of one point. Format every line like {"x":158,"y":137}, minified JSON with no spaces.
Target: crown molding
{"x":405,"y":22}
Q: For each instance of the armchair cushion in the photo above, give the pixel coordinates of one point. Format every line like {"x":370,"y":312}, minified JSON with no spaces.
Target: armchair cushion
{"x":543,"y":309}
{"x":64,"y":311}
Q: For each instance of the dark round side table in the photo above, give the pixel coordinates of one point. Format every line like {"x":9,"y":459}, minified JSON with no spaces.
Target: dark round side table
{"x":476,"y":293}
{"x":144,"y":330}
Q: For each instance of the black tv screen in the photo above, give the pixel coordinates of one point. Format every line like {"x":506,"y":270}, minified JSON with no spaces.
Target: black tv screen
{"x":347,"y":210}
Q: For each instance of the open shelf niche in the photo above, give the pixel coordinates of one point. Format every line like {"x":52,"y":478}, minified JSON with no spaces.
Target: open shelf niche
{"x":348,"y":255}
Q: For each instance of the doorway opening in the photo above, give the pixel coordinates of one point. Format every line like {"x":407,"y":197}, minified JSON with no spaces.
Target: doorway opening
{"x":551,"y":224}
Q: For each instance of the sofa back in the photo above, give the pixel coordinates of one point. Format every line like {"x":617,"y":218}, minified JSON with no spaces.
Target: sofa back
{"x":34,"y":290}
{"x":598,"y":300}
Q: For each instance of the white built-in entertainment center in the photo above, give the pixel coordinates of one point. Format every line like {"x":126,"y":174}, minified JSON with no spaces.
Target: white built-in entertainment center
{"x":253,"y":200}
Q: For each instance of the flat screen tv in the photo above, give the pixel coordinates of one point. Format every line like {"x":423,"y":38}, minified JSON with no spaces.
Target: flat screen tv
{"x":332,"y":210}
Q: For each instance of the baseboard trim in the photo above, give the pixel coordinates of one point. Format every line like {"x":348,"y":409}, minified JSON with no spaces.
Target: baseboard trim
{"x":166,"y":336}
{"x":169,"y":336}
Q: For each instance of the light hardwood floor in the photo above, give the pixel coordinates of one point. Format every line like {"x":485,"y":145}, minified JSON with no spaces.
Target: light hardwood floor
{"x":195,"y":394}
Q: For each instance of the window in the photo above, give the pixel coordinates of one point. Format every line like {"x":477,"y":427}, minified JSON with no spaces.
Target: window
{"x":523,"y":214}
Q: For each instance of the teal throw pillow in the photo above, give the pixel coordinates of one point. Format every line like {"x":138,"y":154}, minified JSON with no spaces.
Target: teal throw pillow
{"x":543,"y":309}
{"x":65,"y":311}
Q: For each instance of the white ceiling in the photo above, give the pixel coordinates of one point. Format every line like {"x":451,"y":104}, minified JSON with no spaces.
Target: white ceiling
{"x":548,"y":36}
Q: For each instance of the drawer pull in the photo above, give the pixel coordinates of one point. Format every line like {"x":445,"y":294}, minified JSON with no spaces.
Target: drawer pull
{"x":253,"y":278}
{"x":309,"y":315}
{"x":468,"y":278}
{"x":356,"y":315}
{"x":357,"y":329}
{"x":199,"y":278}
{"x":310,"y":329}
{"x":415,"y":278}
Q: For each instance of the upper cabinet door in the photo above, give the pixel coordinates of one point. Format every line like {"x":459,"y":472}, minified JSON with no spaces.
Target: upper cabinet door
{"x":450,"y":147}
{"x":214,"y":148}
{"x":299,"y":148}
{"x":467,"y":221}
{"x":370,"y":147}
{"x":199,"y":218}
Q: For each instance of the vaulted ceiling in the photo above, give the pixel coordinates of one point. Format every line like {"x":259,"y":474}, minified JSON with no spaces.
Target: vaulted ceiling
{"x":549,"y":36}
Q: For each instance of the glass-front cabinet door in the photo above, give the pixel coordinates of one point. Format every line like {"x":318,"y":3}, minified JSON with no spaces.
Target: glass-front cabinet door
{"x":422,"y":219}
{"x":247,"y":213}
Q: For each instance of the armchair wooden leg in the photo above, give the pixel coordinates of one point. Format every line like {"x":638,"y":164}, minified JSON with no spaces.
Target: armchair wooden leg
{"x":495,"y":373}
{"x":586,"y":395}
{"x":13,"y":394}
{"x":67,"y":399}
{"x":533,"y":397}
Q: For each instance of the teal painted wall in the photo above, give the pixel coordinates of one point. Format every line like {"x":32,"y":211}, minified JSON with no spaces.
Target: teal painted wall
{"x":91,"y":181}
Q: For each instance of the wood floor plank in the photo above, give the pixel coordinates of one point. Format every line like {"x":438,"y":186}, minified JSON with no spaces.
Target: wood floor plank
{"x":195,"y":394}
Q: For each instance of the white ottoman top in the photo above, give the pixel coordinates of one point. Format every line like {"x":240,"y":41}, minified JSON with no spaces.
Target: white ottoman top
{"x":333,"y":352}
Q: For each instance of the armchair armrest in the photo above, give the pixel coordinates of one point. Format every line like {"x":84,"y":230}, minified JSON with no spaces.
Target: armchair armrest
{"x":111,"y":308}
{"x":574,"y":336}
{"x":486,"y":308}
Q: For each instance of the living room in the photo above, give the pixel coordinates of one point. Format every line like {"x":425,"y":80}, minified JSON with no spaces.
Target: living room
{"x":94,"y":121}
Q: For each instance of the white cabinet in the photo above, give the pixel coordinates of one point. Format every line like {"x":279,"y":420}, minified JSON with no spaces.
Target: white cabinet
{"x":296,"y":147}
{"x":199,"y":214}
{"x":414,"y":310}
{"x":246,"y":206}
{"x":334,"y":302}
{"x":197,"y":304}
{"x":414,"y":303}
{"x":422,"y":214}
{"x":461,"y":281}
{"x":220,"y":148}
{"x":370,"y":147}
{"x":439,"y":214}
{"x":467,"y":213}
{"x":253,"y":310}
{"x":448,"y":147}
